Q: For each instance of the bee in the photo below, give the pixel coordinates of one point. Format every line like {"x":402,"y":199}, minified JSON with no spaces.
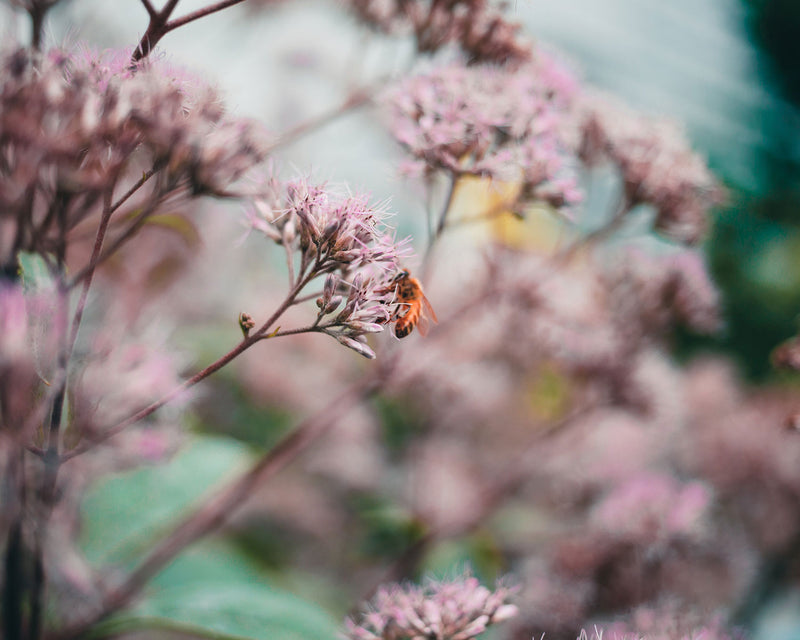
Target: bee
{"x":413,"y":308}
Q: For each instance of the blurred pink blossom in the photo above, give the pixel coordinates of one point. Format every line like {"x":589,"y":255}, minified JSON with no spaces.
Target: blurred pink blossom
{"x":449,"y":610}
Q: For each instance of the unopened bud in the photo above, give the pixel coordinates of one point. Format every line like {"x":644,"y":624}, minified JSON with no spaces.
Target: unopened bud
{"x":331,"y":230}
{"x":357,"y":346}
{"x":364,"y":327}
{"x":289,"y":232}
{"x":246,"y":323}
{"x":333,"y":304}
{"x":330,"y":286}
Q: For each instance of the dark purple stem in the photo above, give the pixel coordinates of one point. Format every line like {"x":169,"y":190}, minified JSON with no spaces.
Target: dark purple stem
{"x":160,"y":24}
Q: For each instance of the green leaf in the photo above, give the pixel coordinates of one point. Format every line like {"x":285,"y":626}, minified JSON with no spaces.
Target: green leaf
{"x":36,"y":276}
{"x":213,"y":592}
{"x":240,"y":611}
{"x":124,"y":514}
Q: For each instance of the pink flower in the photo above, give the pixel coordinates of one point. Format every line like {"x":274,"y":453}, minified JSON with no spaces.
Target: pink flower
{"x":486,"y":121}
{"x":344,"y":239}
{"x":479,"y":29}
{"x":455,"y":610}
{"x":657,"y":165}
{"x":651,"y":508}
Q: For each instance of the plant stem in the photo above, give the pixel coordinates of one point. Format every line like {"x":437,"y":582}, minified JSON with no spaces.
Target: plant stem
{"x":13,"y":569}
{"x":160,"y":24}
{"x":37,"y":13}
{"x":90,"y":271}
{"x":357,"y":98}
{"x":215,"y":366}
{"x":201,"y":13}
{"x":435,"y":234}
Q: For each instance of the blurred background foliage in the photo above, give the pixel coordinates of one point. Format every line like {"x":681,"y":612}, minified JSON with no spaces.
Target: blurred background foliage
{"x":728,"y":70}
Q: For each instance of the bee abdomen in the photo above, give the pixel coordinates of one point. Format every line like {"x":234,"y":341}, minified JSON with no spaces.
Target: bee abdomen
{"x":402,"y":330}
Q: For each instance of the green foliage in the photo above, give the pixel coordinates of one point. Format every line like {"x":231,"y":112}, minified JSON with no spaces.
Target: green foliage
{"x":124,"y":514}
{"x":388,"y":529}
{"x":399,"y":422}
{"x":35,"y":274}
{"x":212,"y":591}
{"x":478,"y":553}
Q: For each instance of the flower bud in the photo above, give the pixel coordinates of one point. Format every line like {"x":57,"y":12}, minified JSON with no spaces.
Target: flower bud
{"x":357,"y":346}
{"x":246,"y":323}
{"x":364,"y":327}
{"x":330,"y":286}
{"x":333,"y":304}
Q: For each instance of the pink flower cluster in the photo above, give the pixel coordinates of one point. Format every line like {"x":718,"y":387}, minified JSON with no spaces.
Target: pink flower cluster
{"x":650,"y":507}
{"x":481,"y":32}
{"x":487,"y":121}
{"x":73,"y":126}
{"x":656,"y":162}
{"x":449,"y":610}
{"x":342,"y":238}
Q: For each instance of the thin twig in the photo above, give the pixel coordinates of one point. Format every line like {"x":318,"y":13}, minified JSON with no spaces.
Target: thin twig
{"x":151,"y":11}
{"x":102,"y":228}
{"x":200,"y":13}
{"x":215,"y":366}
{"x":436,"y":234}
{"x":160,"y":24}
{"x":356,"y":99}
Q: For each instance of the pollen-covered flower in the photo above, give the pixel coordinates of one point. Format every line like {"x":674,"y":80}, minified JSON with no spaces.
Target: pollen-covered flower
{"x":492,"y":122}
{"x":454,"y":610}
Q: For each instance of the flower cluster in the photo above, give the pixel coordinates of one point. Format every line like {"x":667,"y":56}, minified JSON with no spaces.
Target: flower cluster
{"x":667,"y":622}
{"x":508,"y":125}
{"x":650,"y":508}
{"x":75,"y":125}
{"x":344,"y":239}
{"x":478,"y":29}
{"x":455,"y":610}
{"x":656,"y":163}
{"x":654,"y":293}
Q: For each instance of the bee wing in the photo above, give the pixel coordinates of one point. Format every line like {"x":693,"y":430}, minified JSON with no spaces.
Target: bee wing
{"x":423,"y":324}
{"x":427,"y":310}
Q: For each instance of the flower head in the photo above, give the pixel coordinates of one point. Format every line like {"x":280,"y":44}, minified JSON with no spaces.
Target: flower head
{"x":75,"y":126}
{"x":455,"y":610}
{"x":341,"y":238}
{"x":491,"y":122}
{"x":657,"y":165}
{"x":481,"y":31}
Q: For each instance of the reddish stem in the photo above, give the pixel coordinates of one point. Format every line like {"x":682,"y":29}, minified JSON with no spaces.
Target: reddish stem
{"x":160,"y":24}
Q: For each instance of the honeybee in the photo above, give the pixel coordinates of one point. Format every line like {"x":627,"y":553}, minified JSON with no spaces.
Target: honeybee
{"x":412,"y":304}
